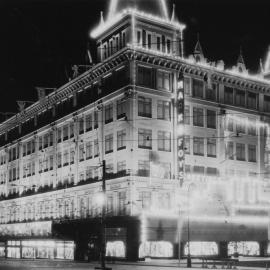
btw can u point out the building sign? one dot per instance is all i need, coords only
(180, 127)
(43, 228)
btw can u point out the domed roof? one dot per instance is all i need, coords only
(154, 7)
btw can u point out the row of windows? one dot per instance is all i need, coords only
(241, 125)
(153, 78)
(201, 117)
(232, 96)
(145, 108)
(241, 152)
(149, 40)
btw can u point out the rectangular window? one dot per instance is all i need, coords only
(71, 130)
(139, 38)
(211, 119)
(164, 141)
(72, 156)
(33, 147)
(252, 101)
(198, 170)
(121, 139)
(230, 151)
(145, 107)
(144, 168)
(229, 124)
(65, 132)
(81, 125)
(66, 158)
(96, 148)
(187, 86)
(187, 144)
(240, 98)
(51, 162)
(108, 113)
(158, 43)
(198, 146)
(145, 139)
(145, 199)
(228, 95)
(109, 144)
(89, 150)
(29, 148)
(81, 152)
(109, 168)
(211, 93)
(145, 76)
(241, 125)
(59, 135)
(121, 166)
(24, 148)
(212, 171)
(164, 110)
(198, 117)
(121, 111)
(59, 160)
(149, 41)
(240, 152)
(88, 173)
(168, 46)
(95, 120)
(266, 104)
(252, 127)
(197, 88)
(163, 80)
(211, 147)
(252, 156)
(187, 115)
(88, 123)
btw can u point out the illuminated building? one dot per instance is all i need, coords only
(183, 139)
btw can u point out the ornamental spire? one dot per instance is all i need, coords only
(173, 18)
(267, 65)
(154, 7)
(198, 52)
(240, 59)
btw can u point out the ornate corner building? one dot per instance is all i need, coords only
(186, 144)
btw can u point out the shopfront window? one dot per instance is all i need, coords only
(158, 249)
(244, 248)
(116, 249)
(202, 248)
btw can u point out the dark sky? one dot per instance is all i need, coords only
(42, 39)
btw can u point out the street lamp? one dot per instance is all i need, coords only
(101, 199)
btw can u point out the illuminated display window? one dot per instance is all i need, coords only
(244, 248)
(159, 249)
(202, 249)
(116, 249)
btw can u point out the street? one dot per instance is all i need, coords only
(252, 263)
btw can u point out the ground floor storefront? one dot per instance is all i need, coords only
(135, 238)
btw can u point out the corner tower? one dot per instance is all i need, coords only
(139, 23)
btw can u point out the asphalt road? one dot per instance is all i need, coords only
(155, 264)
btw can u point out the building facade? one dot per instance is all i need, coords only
(186, 145)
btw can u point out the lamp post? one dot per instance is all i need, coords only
(103, 221)
(189, 265)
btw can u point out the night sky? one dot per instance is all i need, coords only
(42, 39)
